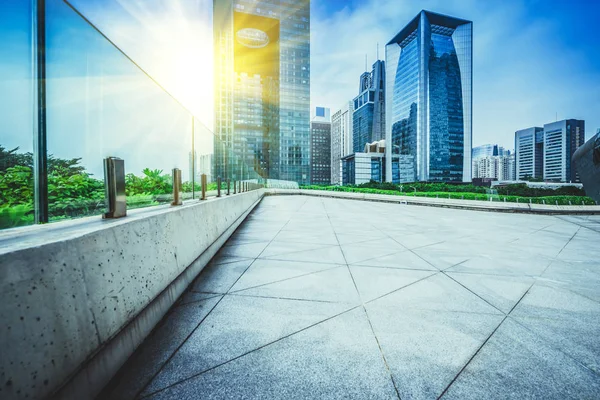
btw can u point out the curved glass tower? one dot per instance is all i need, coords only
(429, 97)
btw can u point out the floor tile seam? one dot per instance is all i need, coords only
(434, 273)
(379, 256)
(200, 300)
(343, 255)
(416, 254)
(287, 260)
(541, 283)
(578, 224)
(530, 233)
(469, 290)
(286, 279)
(487, 274)
(361, 242)
(555, 258)
(257, 257)
(139, 392)
(197, 326)
(320, 247)
(483, 344)
(248, 352)
(392, 268)
(385, 362)
(286, 298)
(552, 345)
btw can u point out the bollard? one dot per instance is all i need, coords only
(219, 186)
(114, 186)
(228, 186)
(203, 183)
(176, 187)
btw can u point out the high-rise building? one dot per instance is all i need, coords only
(429, 96)
(491, 161)
(320, 143)
(529, 153)
(561, 140)
(341, 140)
(369, 108)
(262, 75)
(586, 161)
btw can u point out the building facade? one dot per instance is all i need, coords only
(561, 140)
(586, 161)
(370, 165)
(529, 153)
(341, 140)
(429, 102)
(369, 108)
(320, 143)
(262, 90)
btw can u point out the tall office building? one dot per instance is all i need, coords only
(429, 96)
(320, 143)
(587, 162)
(369, 108)
(561, 140)
(341, 140)
(262, 85)
(529, 153)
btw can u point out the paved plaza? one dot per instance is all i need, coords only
(317, 298)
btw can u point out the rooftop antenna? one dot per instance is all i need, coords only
(365, 62)
(377, 51)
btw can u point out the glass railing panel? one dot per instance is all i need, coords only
(101, 104)
(16, 114)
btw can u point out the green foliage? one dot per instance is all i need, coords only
(16, 186)
(19, 215)
(153, 182)
(550, 200)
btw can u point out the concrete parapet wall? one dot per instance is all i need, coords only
(79, 297)
(449, 203)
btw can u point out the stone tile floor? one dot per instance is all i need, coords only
(329, 298)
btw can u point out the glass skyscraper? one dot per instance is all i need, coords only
(369, 108)
(262, 75)
(429, 96)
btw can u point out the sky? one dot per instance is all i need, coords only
(533, 61)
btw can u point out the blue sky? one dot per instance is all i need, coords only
(533, 60)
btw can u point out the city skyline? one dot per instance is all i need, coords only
(505, 99)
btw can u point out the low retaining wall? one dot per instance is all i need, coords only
(78, 298)
(477, 205)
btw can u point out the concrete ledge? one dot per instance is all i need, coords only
(448, 203)
(77, 300)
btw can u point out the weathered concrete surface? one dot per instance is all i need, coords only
(448, 203)
(327, 298)
(79, 297)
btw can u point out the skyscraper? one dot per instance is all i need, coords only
(262, 75)
(529, 153)
(341, 140)
(429, 96)
(320, 143)
(369, 108)
(561, 139)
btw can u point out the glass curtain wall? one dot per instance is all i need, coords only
(98, 103)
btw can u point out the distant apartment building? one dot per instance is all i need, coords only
(320, 143)
(546, 153)
(429, 96)
(491, 161)
(529, 153)
(370, 165)
(369, 108)
(341, 140)
(561, 140)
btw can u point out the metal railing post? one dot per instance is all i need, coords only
(219, 186)
(114, 186)
(234, 186)
(203, 180)
(177, 201)
(228, 186)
